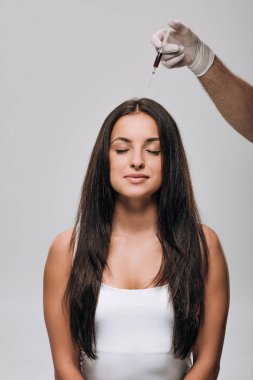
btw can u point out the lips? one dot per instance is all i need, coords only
(136, 178)
(136, 175)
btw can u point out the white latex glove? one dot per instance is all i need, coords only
(183, 48)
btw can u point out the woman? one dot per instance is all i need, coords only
(148, 286)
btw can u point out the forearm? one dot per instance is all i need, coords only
(232, 96)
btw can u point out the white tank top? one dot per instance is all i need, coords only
(134, 336)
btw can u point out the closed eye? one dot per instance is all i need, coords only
(156, 152)
(120, 151)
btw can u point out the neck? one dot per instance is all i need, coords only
(134, 215)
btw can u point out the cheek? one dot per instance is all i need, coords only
(117, 166)
(158, 171)
(116, 163)
(157, 167)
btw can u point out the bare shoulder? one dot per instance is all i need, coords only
(218, 269)
(211, 237)
(61, 245)
(60, 253)
(213, 243)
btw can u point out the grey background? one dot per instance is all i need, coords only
(64, 66)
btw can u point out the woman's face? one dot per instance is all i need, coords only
(135, 157)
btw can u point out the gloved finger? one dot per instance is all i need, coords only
(168, 57)
(173, 61)
(181, 32)
(172, 48)
(177, 25)
(157, 38)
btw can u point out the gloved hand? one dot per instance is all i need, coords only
(181, 47)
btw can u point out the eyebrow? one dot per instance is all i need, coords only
(149, 140)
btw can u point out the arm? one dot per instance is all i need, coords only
(57, 270)
(232, 96)
(208, 347)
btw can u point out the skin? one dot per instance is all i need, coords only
(208, 347)
(232, 96)
(134, 254)
(57, 270)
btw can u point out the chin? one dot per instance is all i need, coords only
(136, 194)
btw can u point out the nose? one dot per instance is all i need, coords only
(137, 166)
(137, 162)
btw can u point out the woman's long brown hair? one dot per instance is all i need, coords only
(184, 263)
